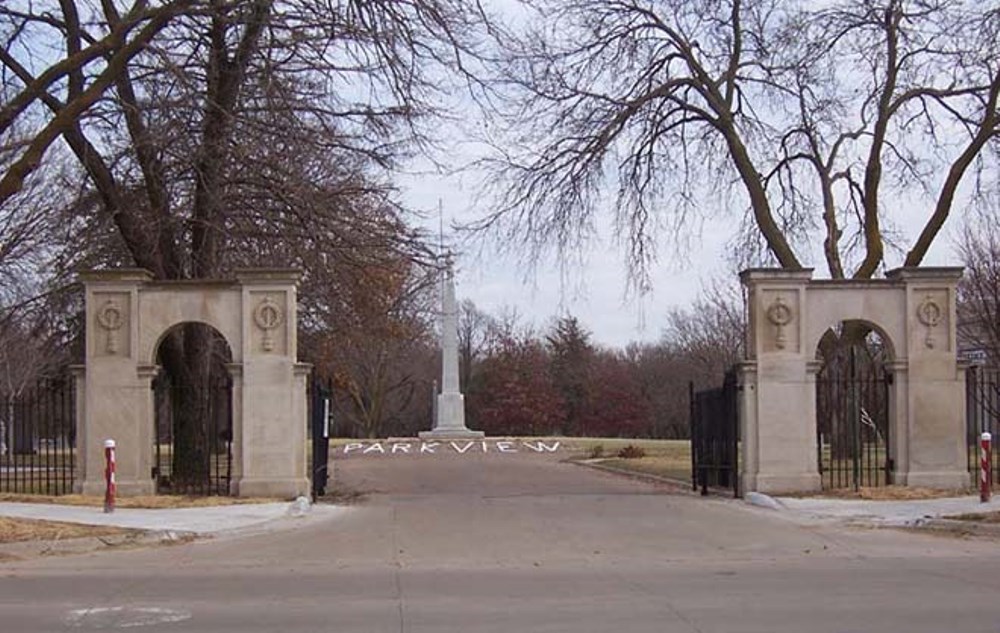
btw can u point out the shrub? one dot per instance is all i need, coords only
(631, 452)
(596, 451)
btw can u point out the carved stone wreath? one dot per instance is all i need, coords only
(929, 314)
(780, 315)
(268, 317)
(110, 317)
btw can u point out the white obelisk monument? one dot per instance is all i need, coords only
(449, 422)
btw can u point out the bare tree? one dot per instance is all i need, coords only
(830, 116)
(979, 289)
(474, 332)
(375, 345)
(711, 334)
(213, 131)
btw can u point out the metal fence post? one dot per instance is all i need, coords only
(693, 432)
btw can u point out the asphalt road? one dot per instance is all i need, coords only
(520, 543)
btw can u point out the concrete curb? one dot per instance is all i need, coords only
(767, 502)
(26, 550)
(684, 486)
(954, 526)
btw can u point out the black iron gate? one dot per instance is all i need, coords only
(714, 422)
(200, 463)
(852, 420)
(38, 438)
(982, 415)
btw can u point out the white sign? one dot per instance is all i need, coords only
(462, 447)
(974, 356)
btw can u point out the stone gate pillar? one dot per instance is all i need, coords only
(777, 407)
(273, 453)
(117, 391)
(932, 450)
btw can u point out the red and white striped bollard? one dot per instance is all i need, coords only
(985, 467)
(109, 476)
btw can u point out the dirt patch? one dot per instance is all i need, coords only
(344, 496)
(18, 530)
(154, 502)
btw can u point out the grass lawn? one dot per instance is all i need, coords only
(664, 458)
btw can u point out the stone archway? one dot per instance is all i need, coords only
(128, 314)
(789, 313)
(193, 427)
(853, 411)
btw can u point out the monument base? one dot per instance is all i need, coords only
(450, 422)
(451, 434)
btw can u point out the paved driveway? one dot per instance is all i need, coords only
(521, 542)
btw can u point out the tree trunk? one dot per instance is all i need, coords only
(188, 359)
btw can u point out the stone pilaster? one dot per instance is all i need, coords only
(117, 394)
(935, 433)
(780, 438)
(273, 399)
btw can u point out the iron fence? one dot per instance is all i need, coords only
(982, 414)
(38, 438)
(714, 422)
(193, 438)
(852, 421)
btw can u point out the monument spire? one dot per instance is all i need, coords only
(449, 422)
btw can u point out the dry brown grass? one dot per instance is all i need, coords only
(981, 517)
(148, 502)
(889, 493)
(663, 458)
(584, 446)
(660, 466)
(17, 530)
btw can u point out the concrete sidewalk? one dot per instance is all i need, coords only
(918, 513)
(199, 521)
(909, 513)
(264, 516)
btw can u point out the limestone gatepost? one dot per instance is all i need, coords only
(127, 316)
(913, 310)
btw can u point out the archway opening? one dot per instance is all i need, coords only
(853, 407)
(192, 439)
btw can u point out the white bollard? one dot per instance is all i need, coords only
(109, 476)
(985, 467)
